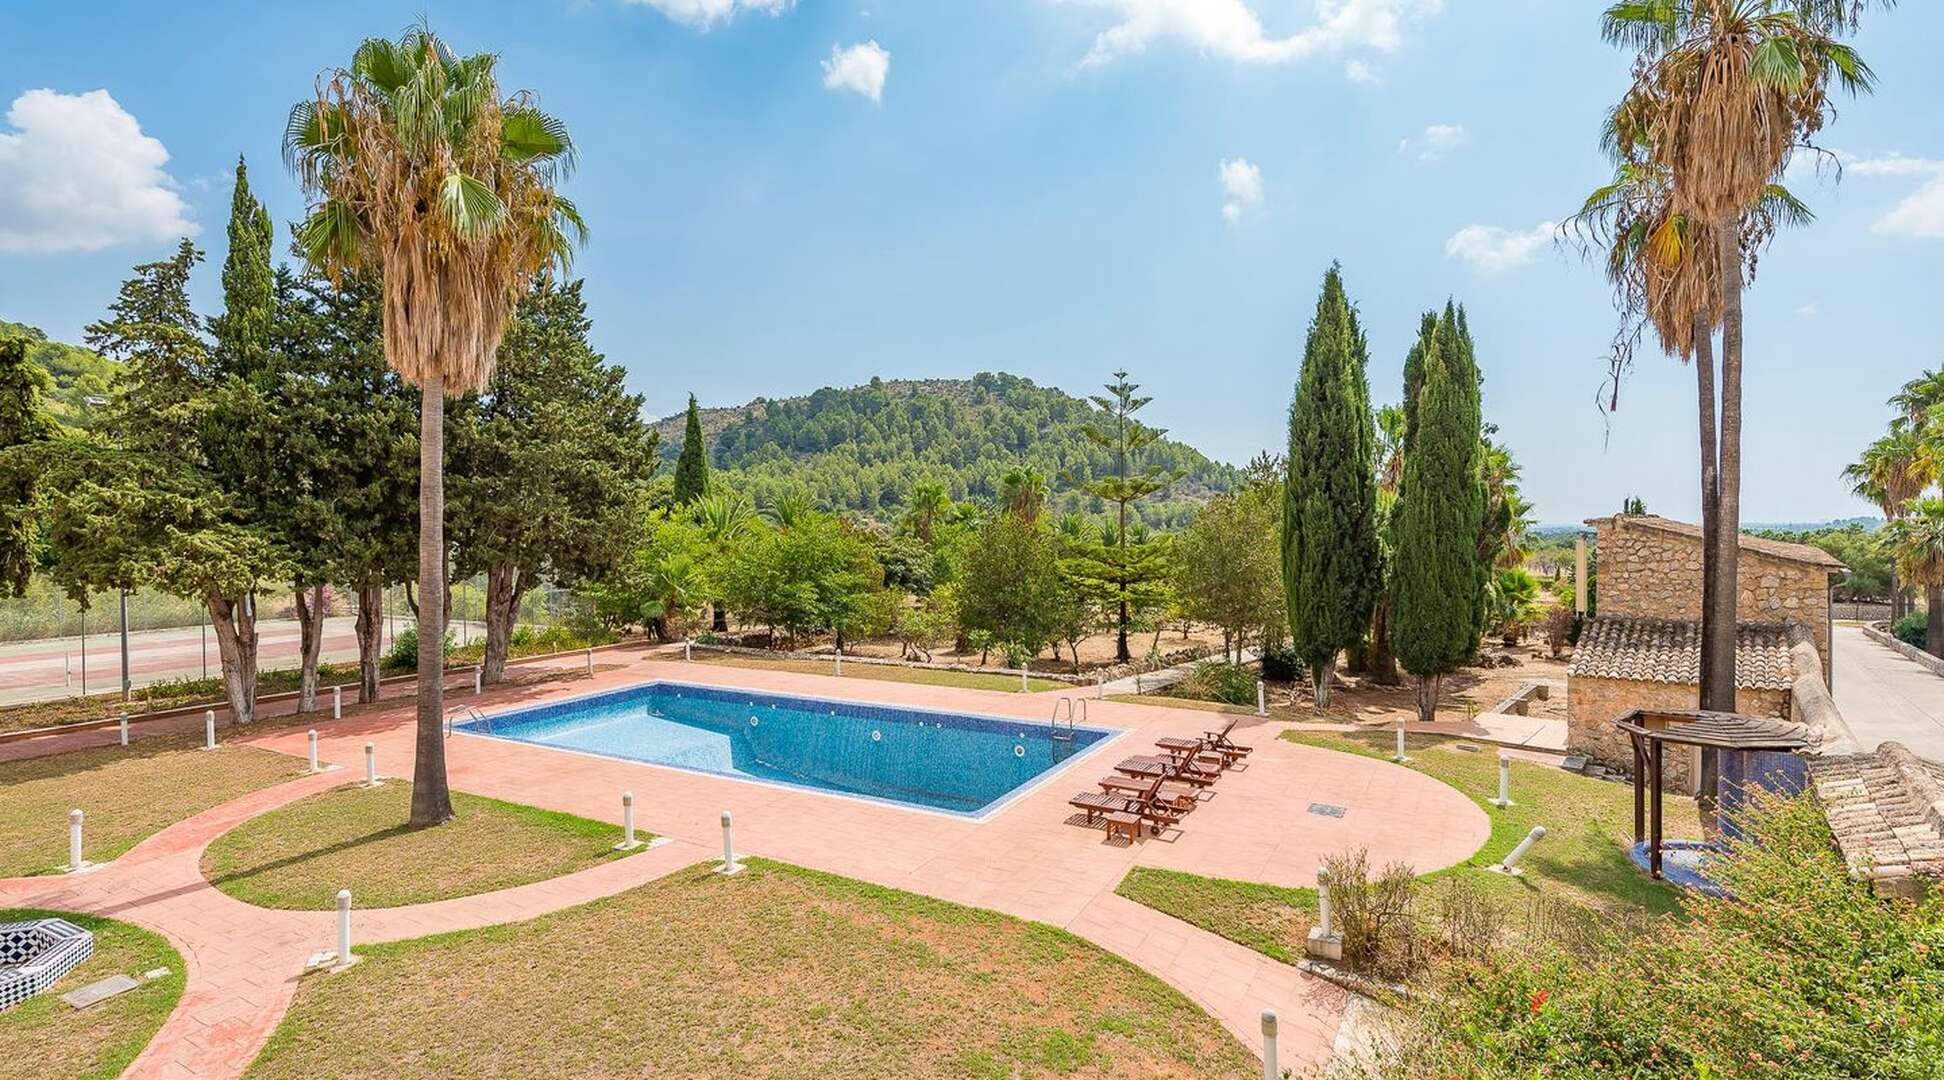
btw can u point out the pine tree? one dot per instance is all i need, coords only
(692, 468)
(242, 331)
(23, 423)
(1125, 570)
(1330, 557)
(1441, 502)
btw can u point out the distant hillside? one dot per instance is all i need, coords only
(79, 373)
(863, 448)
(1866, 522)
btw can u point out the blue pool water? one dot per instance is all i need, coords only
(943, 761)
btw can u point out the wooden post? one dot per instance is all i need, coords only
(1640, 791)
(1654, 843)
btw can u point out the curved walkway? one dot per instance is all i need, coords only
(1027, 860)
(243, 962)
(1887, 696)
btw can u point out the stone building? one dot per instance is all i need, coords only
(1644, 648)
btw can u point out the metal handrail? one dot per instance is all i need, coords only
(470, 712)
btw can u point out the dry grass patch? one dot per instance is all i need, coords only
(128, 794)
(776, 972)
(963, 680)
(45, 1037)
(352, 837)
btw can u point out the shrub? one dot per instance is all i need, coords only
(404, 651)
(1912, 629)
(1804, 973)
(1560, 626)
(1216, 680)
(1375, 915)
(1281, 664)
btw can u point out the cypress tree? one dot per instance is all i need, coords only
(1330, 555)
(1435, 523)
(692, 468)
(242, 331)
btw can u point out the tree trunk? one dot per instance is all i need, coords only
(1718, 632)
(1716, 694)
(310, 642)
(1934, 621)
(371, 640)
(431, 797)
(1383, 662)
(1427, 697)
(504, 586)
(1320, 675)
(234, 624)
(721, 622)
(1121, 652)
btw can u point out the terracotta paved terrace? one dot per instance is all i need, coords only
(1025, 860)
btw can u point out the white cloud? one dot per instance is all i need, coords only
(1492, 249)
(1242, 186)
(1920, 214)
(1891, 165)
(1359, 72)
(1232, 30)
(1808, 310)
(861, 68)
(77, 174)
(1436, 141)
(703, 14)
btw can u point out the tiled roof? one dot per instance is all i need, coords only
(1887, 811)
(1669, 650)
(1780, 549)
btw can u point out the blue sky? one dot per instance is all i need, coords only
(1050, 187)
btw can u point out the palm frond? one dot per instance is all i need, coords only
(470, 205)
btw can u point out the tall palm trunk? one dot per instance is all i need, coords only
(1716, 693)
(1934, 620)
(1722, 594)
(431, 798)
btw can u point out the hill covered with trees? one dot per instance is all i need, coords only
(78, 373)
(864, 448)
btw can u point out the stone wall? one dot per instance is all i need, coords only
(1656, 573)
(1594, 703)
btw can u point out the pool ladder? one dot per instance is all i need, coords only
(465, 713)
(1063, 733)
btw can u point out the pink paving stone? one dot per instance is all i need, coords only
(1026, 860)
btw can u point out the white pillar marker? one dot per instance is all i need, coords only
(1269, 1068)
(1262, 709)
(76, 863)
(479, 679)
(1399, 756)
(1324, 941)
(628, 841)
(344, 928)
(209, 729)
(688, 650)
(1511, 863)
(1505, 782)
(729, 863)
(124, 729)
(371, 765)
(1022, 681)
(337, 702)
(840, 663)
(312, 739)
(590, 660)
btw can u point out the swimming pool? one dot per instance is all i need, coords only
(954, 762)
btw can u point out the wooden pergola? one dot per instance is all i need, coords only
(1652, 729)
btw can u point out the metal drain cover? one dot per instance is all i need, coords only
(1325, 810)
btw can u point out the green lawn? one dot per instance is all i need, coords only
(964, 680)
(1581, 865)
(46, 1038)
(775, 972)
(126, 793)
(352, 837)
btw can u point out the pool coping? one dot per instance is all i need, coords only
(1109, 735)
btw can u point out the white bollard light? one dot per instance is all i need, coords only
(1023, 687)
(371, 765)
(590, 660)
(313, 749)
(1269, 1069)
(1505, 782)
(337, 702)
(1323, 918)
(1511, 863)
(124, 729)
(1399, 756)
(209, 729)
(1262, 709)
(479, 680)
(628, 841)
(840, 662)
(729, 863)
(344, 927)
(688, 650)
(1323, 941)
(75, 865)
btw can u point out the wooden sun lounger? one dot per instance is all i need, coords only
(1144, 806)
(1179, 795)
(1212, 746)
(1147, 766)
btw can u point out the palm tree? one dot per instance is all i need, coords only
(1891, 472)
(927, 504)
(1724, 91)
(1022, 493)
(422, 177)
(725, 517)
(1916, 540)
